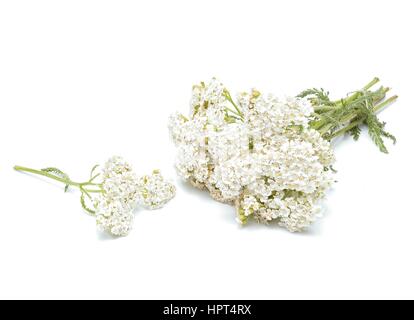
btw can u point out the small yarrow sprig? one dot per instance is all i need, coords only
(114, 192)
(270, 157)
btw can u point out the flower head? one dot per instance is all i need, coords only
(115, 205)
(120, 183)
(155, 191)
(122, 191)
(113, 217)
(261, 155)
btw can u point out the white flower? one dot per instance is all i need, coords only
(113, 217)
(115, 206)
(302, 213)
(232, 175)
(122, 191)
(262, 156)
(154, 191)
(206, 97)
(120, 183)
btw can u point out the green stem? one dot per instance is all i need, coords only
(352, 97)
(351, 116)
(230, 99)
(233, 112)
(338, 103)
(376, 109)
(372, 83)
(382, 105)
(325, 108)
(324, 127)
(60, 179)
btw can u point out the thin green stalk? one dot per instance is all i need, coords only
(233, 112)
(382, 105)
(354, 96)
(230, 99)
(372, 83)
(60, 179)
(381, 92)
(236, 107)
(324, 108)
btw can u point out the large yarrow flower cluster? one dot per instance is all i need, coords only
(257, 153)
(268, 156)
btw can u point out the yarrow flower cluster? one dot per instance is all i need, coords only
(263, 154)
(113, 200)
(154, 191)
(115, 206)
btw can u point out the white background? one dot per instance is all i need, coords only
(83, 80)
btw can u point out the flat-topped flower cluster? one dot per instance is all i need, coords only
(258, 153)
(123, 191)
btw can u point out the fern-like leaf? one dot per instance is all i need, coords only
(58, 173)
(355, 132)
(375, 131)
(388, 135)
(85, 206)
(93, 170)
(93, 176)
(316, 96)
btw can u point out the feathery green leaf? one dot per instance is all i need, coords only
(85, 206)
(355, 132)
(58, 173)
